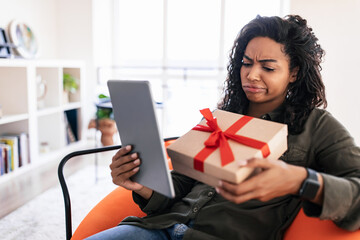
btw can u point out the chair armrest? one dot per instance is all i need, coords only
(65, 191)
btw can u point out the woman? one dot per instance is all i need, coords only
(274, 74)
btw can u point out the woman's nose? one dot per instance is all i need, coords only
(253, 74)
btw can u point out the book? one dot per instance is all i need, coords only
(24, 148)
(6, 154)
(19, 151)
(72, 119)
(70, 137)
(13, 142)
(2, 163)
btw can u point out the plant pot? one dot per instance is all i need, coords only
(73, 97)
(107, 127)
(65, 97)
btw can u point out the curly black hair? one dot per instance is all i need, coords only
(305, 54)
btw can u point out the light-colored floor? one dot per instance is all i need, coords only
(26, 184)
(20, 189)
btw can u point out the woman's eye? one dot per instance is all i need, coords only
(245, 64)
(268, 69)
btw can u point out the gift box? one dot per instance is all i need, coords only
(212, 150)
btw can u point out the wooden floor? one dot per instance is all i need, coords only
(16, 191)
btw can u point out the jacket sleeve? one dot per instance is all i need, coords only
(338, 159)
(159, 203)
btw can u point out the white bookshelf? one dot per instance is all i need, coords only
(18, 98)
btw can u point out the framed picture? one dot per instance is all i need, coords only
(4, 45)
(23, 39)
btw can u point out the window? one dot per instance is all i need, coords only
(193, 32)
(139, 32)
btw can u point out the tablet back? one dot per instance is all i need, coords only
(135, 117)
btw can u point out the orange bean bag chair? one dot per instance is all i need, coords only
(119, 204)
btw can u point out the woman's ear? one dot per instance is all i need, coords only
(293, 74)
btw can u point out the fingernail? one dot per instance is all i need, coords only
(220, 183)
(128, 147)
(134, 155)
(137, 161)
(136, 169)
(242, 163)
(217, 190)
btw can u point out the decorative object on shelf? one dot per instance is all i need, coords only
(4, 45)
(44, 147)
(70, 86)
(104, 120)
(41, 90)
(23, 38)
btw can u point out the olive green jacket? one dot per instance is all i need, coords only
(324, 145)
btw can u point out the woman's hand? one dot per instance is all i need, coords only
(276, 179)
(124, 166)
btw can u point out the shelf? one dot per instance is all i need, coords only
(32, 101)
(13, 118)
(46, 63)
(22, 170)
(48, 111)
(60, 153)
(71, 106)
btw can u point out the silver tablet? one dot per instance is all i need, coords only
(135, 117)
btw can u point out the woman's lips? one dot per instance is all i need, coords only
(253, 89)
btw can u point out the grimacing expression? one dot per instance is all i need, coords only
(265, 73)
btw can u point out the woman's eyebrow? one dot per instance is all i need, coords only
(268, 60)
(248, 58)
(262, 60)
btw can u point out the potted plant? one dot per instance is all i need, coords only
(104, 120)
(70, 86)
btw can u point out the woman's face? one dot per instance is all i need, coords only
(265, 74)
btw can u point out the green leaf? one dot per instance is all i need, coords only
(70, 83)
(101, 96)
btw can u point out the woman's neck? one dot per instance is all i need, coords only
(259, 109)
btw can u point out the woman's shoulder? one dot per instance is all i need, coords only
(320, 112)
(322, 120)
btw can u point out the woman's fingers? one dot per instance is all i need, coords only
(122, 157)
(124, 168)
(265, 185)
(127, 160)
(120, 178)
(121, 152)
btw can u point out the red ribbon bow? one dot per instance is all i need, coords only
(218, 138)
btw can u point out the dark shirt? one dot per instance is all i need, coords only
(324, 145)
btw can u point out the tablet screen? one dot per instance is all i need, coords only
(135, 117)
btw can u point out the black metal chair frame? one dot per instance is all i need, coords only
(64, 188)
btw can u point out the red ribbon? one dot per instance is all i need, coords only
(218, 138)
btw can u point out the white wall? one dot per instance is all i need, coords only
(40, 15)
(75, 41)
(103, 32)
(336, 24)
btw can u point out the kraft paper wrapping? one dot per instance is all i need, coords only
(185, 148)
